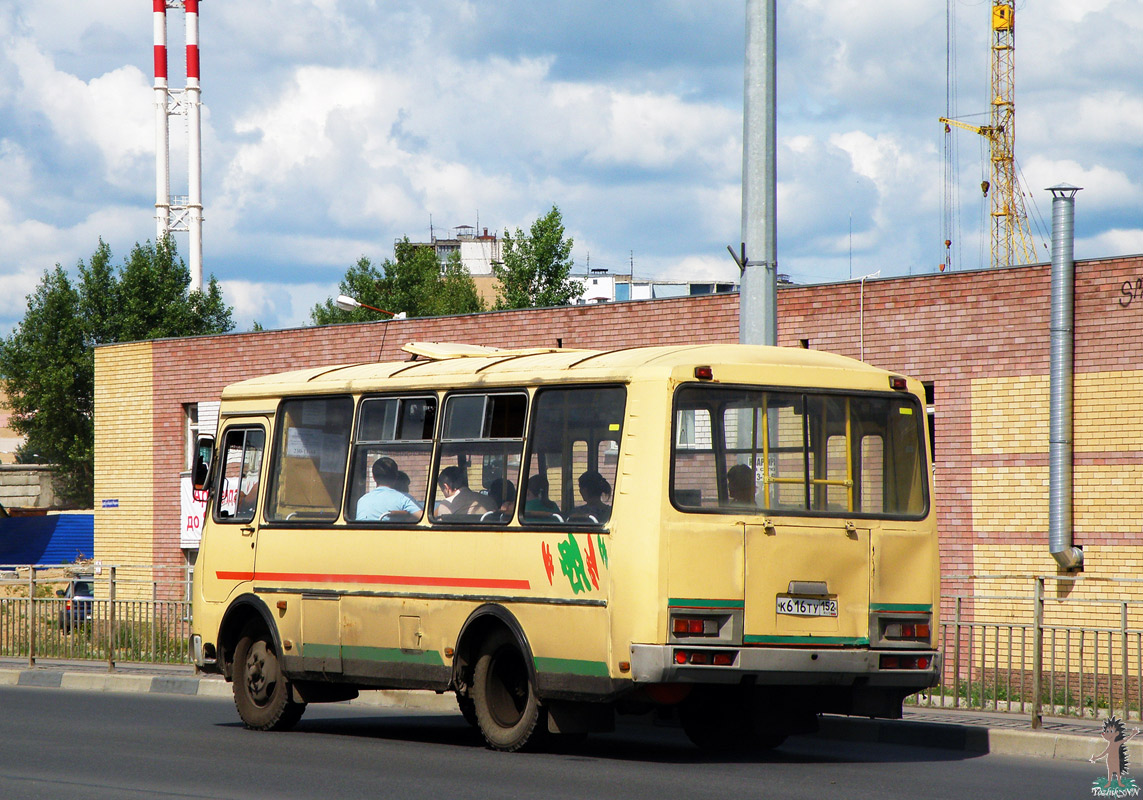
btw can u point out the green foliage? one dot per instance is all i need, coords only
(536, 267)
(415, 283)
(47, 364)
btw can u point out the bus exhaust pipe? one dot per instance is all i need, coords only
(1060, 511)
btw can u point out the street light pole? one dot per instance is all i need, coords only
(347, 303)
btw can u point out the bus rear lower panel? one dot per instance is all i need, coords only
(861, 682)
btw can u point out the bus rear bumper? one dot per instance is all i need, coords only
(786, 666)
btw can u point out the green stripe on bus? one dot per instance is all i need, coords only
(312, 650)
(571, 666)
(812, 640)
(428, 657)
(687, 602)
(914, 607)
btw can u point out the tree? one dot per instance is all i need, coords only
(47, 364)
(536, 267)
(415, 283)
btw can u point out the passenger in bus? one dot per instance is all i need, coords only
(403, 484)
(593, 487)
(740, 486)
(387, 502)
(538, 500)
(458, 498)
(503, 493)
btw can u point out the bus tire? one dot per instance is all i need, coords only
(262, 693)
(467, 709)
(508, 712)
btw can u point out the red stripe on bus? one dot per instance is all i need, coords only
(398, 580)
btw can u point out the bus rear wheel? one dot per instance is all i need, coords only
(262, 693)
(507, 710)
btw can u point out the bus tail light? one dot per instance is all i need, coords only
(706, 658)
(905, 662)
(694, 626)
(913, 631)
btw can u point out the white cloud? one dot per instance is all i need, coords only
(1116, 242)
(333, 127)
(274, 305)
(110, 112)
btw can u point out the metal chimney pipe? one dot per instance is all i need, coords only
(758, 293)
(1060, 529)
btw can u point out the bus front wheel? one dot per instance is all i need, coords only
(261, 692)
(507, 710)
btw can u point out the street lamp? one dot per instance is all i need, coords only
(347, 303)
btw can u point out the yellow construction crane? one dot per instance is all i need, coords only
(1011, 240)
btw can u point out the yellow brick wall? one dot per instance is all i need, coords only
(124, 463)
(1010, 417)
(1109, 412)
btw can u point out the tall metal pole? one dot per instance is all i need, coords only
(1061, 541)
(194, 147)
(758, 298)
(162, 125)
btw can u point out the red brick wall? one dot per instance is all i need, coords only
(944, 328)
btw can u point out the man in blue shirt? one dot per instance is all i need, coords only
(386, 502)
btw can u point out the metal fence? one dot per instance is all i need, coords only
(1036, 645)
(125, 622)
(1030, 645)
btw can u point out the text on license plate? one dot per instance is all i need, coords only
(808, 606)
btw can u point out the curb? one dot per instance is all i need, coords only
(968, 738)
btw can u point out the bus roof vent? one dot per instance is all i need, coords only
(442, 351)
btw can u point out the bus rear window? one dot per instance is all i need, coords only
(741, 450)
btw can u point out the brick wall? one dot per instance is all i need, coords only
(125, 452)
(982, 339)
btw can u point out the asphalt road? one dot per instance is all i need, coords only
(62, 744)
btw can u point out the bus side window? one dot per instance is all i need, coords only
(241, 472)
(573, 455)
(482, 439)
(310, 451)
(392, 459)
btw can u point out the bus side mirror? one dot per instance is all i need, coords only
(200, 473)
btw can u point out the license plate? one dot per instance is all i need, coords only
(808, 606)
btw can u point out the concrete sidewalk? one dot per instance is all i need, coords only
(1069, 738)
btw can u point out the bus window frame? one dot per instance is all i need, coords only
(440, 444)
(279, 412)
(355, 441)
(918, 408)
(571, 479)
(218, 478)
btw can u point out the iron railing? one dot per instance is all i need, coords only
(1064, 646)
(130, 619)
(1008, 643)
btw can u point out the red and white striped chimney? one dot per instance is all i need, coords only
(162, 124)
(184, 215)
(194, 147)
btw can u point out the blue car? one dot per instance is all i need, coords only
(77, 606)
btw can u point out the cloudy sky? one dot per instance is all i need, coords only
(333, 127)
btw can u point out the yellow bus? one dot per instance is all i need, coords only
(741, 534)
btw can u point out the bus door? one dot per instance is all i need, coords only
(807, 585)
(228, 552)
(807, 565)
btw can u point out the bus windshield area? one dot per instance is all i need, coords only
(737, 450)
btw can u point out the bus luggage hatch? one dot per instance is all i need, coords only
(807, 585)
